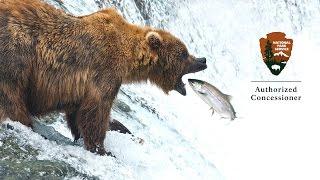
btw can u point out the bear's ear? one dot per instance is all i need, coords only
(154, 40)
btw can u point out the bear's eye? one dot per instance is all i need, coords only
(184, 55)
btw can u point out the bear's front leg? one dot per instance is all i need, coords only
(93, 122)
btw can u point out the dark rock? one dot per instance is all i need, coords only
(19, 161)
(50, 118)
(145, 9)
(122, 106)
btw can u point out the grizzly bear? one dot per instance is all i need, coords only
(53, 61)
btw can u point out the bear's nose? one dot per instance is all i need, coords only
(202, 60)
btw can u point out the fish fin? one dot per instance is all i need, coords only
(212, 111)
(231, 119)
(229, 97)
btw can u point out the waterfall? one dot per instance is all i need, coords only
(183, 140)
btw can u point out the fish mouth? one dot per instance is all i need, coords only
(180, 87)
(194, 82)
(196, 85)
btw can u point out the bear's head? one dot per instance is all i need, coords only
(154, 54)
(172, 61)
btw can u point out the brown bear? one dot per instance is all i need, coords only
(52, 61)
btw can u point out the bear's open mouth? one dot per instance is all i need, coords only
(198, 65)
(180, 87)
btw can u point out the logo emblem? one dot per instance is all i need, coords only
(276, 51)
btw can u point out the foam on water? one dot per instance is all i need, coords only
(182, 139)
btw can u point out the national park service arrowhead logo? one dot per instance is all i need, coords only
(276, 51)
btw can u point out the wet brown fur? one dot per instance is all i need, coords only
(52, 61)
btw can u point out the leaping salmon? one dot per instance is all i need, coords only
(218, 101)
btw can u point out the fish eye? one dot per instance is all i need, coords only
(201, 92)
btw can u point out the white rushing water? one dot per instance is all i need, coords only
(182, 139)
